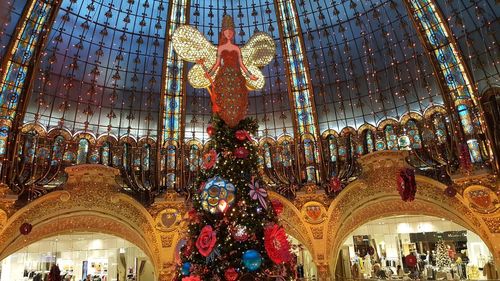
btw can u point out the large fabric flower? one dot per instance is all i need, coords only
(209, 159)
(241, 152)
(276, 244)
(407, 185)
(206, 241)
(257, 192)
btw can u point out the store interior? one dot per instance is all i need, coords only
(78, 256)
(418, 247)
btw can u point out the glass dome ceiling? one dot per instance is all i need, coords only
(101, 69)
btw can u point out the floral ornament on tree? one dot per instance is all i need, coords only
(277, 206)
(257, 192)
(407, 186)
(276, 244)
(209, 159)
(231, 274)
(242, 135)
(206, 241)
(241, 152)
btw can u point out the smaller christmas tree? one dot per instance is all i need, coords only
(443, 261)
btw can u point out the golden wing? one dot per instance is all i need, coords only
(257, 52)
(190, 45)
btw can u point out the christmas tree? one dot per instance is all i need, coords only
(443, 261)
(233, 230)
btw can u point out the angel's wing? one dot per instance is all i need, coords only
(259, 50)
(190, 45)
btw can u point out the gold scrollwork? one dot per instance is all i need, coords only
(168, 219)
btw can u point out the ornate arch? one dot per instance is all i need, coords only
(293, 222)
(91, 201)
(374, 195)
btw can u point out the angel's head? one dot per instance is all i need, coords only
(227, 32)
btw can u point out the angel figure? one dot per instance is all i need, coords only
(233, 71)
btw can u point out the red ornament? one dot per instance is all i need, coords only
(450, 191)
(240, 233)
(241, 152)
(206, 241)
(25, 228)
(231, 274)
(277, 206)
(335, 184)
(407, 186)
(276, 244)
(242, 135)
(371, 251)
(211, 130)
(411, 260)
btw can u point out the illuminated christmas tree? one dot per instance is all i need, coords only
(233, 229)
(443, 261)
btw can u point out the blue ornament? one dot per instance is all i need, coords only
(218, 194)
(186, 268)
(252, 260)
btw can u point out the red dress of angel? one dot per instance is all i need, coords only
(233, 71)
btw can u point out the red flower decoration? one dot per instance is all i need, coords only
(209, 159)
(206, 241)
(191, 278)
(241, 152)
(407, 186)
(276, 244)
(231, 274)
(211, 130)
(335, 184)
(277, 206)
(242, 135)
(25, 228)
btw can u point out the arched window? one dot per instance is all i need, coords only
(146, 157)
(194, 158)
(127, 155)
(267, 155)
(57, 150)
(368, 143)
(106, 154)
(332, 148)
(285, 154)
(413, 134)
(390, 137)
(439, 125)
(171, 151)
(309, 158)
(29, 148)
(83, 150)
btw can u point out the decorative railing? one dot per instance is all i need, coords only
(287, 167)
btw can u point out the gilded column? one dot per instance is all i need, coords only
(300, 89)
(17, 67)
(456, 82)
(172, 107)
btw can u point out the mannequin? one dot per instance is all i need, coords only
(367, 265)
